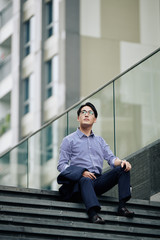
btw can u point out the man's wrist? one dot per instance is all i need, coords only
(124, 160)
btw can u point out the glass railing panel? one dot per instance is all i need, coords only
(137, 107)
(14, 166)
(72, 119)
(104, 126)
(43, 154)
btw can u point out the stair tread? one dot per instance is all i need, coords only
(42, 193)
(40, 202)
(68, 205)
(73, 215)
(60, 232)
(46, 223)
(41, 214)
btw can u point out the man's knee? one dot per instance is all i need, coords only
(121, 170)
(85, 180)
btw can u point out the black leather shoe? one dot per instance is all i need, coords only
(97, 219)
(125, 212)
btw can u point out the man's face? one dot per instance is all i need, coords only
(86, 117)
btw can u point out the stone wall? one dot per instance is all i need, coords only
(145, 173)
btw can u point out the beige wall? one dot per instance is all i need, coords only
(99, 63)
(117, 20)
(120, 20)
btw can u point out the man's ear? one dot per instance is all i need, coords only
(95, 120)
(78, 118)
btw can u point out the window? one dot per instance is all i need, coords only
(51, 76)
(49, 8)
(26, 95)
(51, 17)
(27, 47)
(49, 79)
(29, 36)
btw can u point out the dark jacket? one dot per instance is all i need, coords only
(69, 179)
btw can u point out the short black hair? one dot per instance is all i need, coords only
(89, 105)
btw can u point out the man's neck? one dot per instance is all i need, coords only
(86, 131)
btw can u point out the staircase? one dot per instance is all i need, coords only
(39, 214)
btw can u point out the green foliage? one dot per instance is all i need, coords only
(5, 124)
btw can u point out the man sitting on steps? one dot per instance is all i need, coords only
(81, 161)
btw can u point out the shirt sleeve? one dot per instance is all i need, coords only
(108, 154)
(65, 155)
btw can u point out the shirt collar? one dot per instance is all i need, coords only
(81, 134)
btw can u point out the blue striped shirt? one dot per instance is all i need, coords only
(85, 151)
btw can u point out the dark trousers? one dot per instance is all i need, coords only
(91, 188)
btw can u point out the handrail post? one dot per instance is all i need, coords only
(67, 123)
(27, 166)
(114, 118)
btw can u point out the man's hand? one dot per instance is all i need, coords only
(89, 175)
(127, 164)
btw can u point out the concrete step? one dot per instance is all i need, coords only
(40, 214)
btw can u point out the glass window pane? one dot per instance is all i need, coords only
(27, 37)
(49, 18)
(49, 79)
(49, 11)
(26, 109)
(49, 92)
(49, 69)
(50, 31)
(26, 89)
(27, 50)
(26, 92)
(27, 31)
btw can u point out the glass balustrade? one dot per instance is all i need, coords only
(128, 119)
(14, 166)
(137, 106)
(43, 152)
